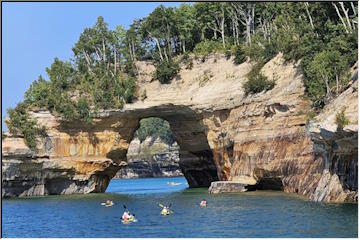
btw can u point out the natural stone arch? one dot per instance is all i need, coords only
(196, 157)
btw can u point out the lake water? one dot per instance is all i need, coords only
(251, 214)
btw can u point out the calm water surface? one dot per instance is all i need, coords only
(251, 214)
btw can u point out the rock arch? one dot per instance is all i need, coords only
(196, 157)
(223, 135)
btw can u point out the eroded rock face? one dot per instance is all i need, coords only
(223, 135)
(74, 160)
(338, 149)
(151, 158)
(228, 187)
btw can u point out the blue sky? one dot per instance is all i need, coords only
(35, 33)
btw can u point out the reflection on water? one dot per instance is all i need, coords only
(251, 214)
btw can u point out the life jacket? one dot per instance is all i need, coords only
(164, 211)
(125, 216)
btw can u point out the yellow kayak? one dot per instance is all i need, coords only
(130, 220)
(165, 213)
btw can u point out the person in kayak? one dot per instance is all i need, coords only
(203, 203)
(108, 203)
(165, 210)
(126, 216)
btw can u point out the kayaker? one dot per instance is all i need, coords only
(126, 215)
(109, 203)
(203, 203)
(165, 209)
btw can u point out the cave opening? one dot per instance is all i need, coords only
(153, 160)
(153, 151)
(177, 135)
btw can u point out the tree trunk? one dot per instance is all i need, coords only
(133, 49)
(248, 32)
(87, 58)
(168, 39)
(159, 48)
(223, 29)
(308, 13)
(337, 85)
(183, 46)
(353, 8)
(233, 30)
(327, 85)
(346, 15)
(114, 60)
(253, 19)
(166, 56)
(104, 50)
(97, 50)
(215, 34)
(339, 15)
(130, 52)
(237, 33)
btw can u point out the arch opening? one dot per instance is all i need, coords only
(185, 148)
(152, 152)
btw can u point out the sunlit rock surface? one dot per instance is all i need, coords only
(151, 158)
(222, 134)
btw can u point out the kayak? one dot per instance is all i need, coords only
(107, 205)
(166, 213)
(129, 220)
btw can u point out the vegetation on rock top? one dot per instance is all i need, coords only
(103, 71)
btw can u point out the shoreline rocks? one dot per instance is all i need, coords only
(229, 187)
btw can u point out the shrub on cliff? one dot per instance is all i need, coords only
(341, 120)
(206, 47)
(257, 82)
(166, 70)
(240, 56)
(20, 123)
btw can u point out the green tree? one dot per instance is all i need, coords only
(19, 122)
(38, 93)
(61, 74)
(165, 71)
(154, 127)
(341, 119)
(186, 27)
(326, 70)
(159, 27)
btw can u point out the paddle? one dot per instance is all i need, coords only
(128, 210)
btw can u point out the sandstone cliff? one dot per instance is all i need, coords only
(260, 139)
(151, 158)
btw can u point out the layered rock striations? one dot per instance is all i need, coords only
(151, 158)
(261, 140)
(337, 148)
